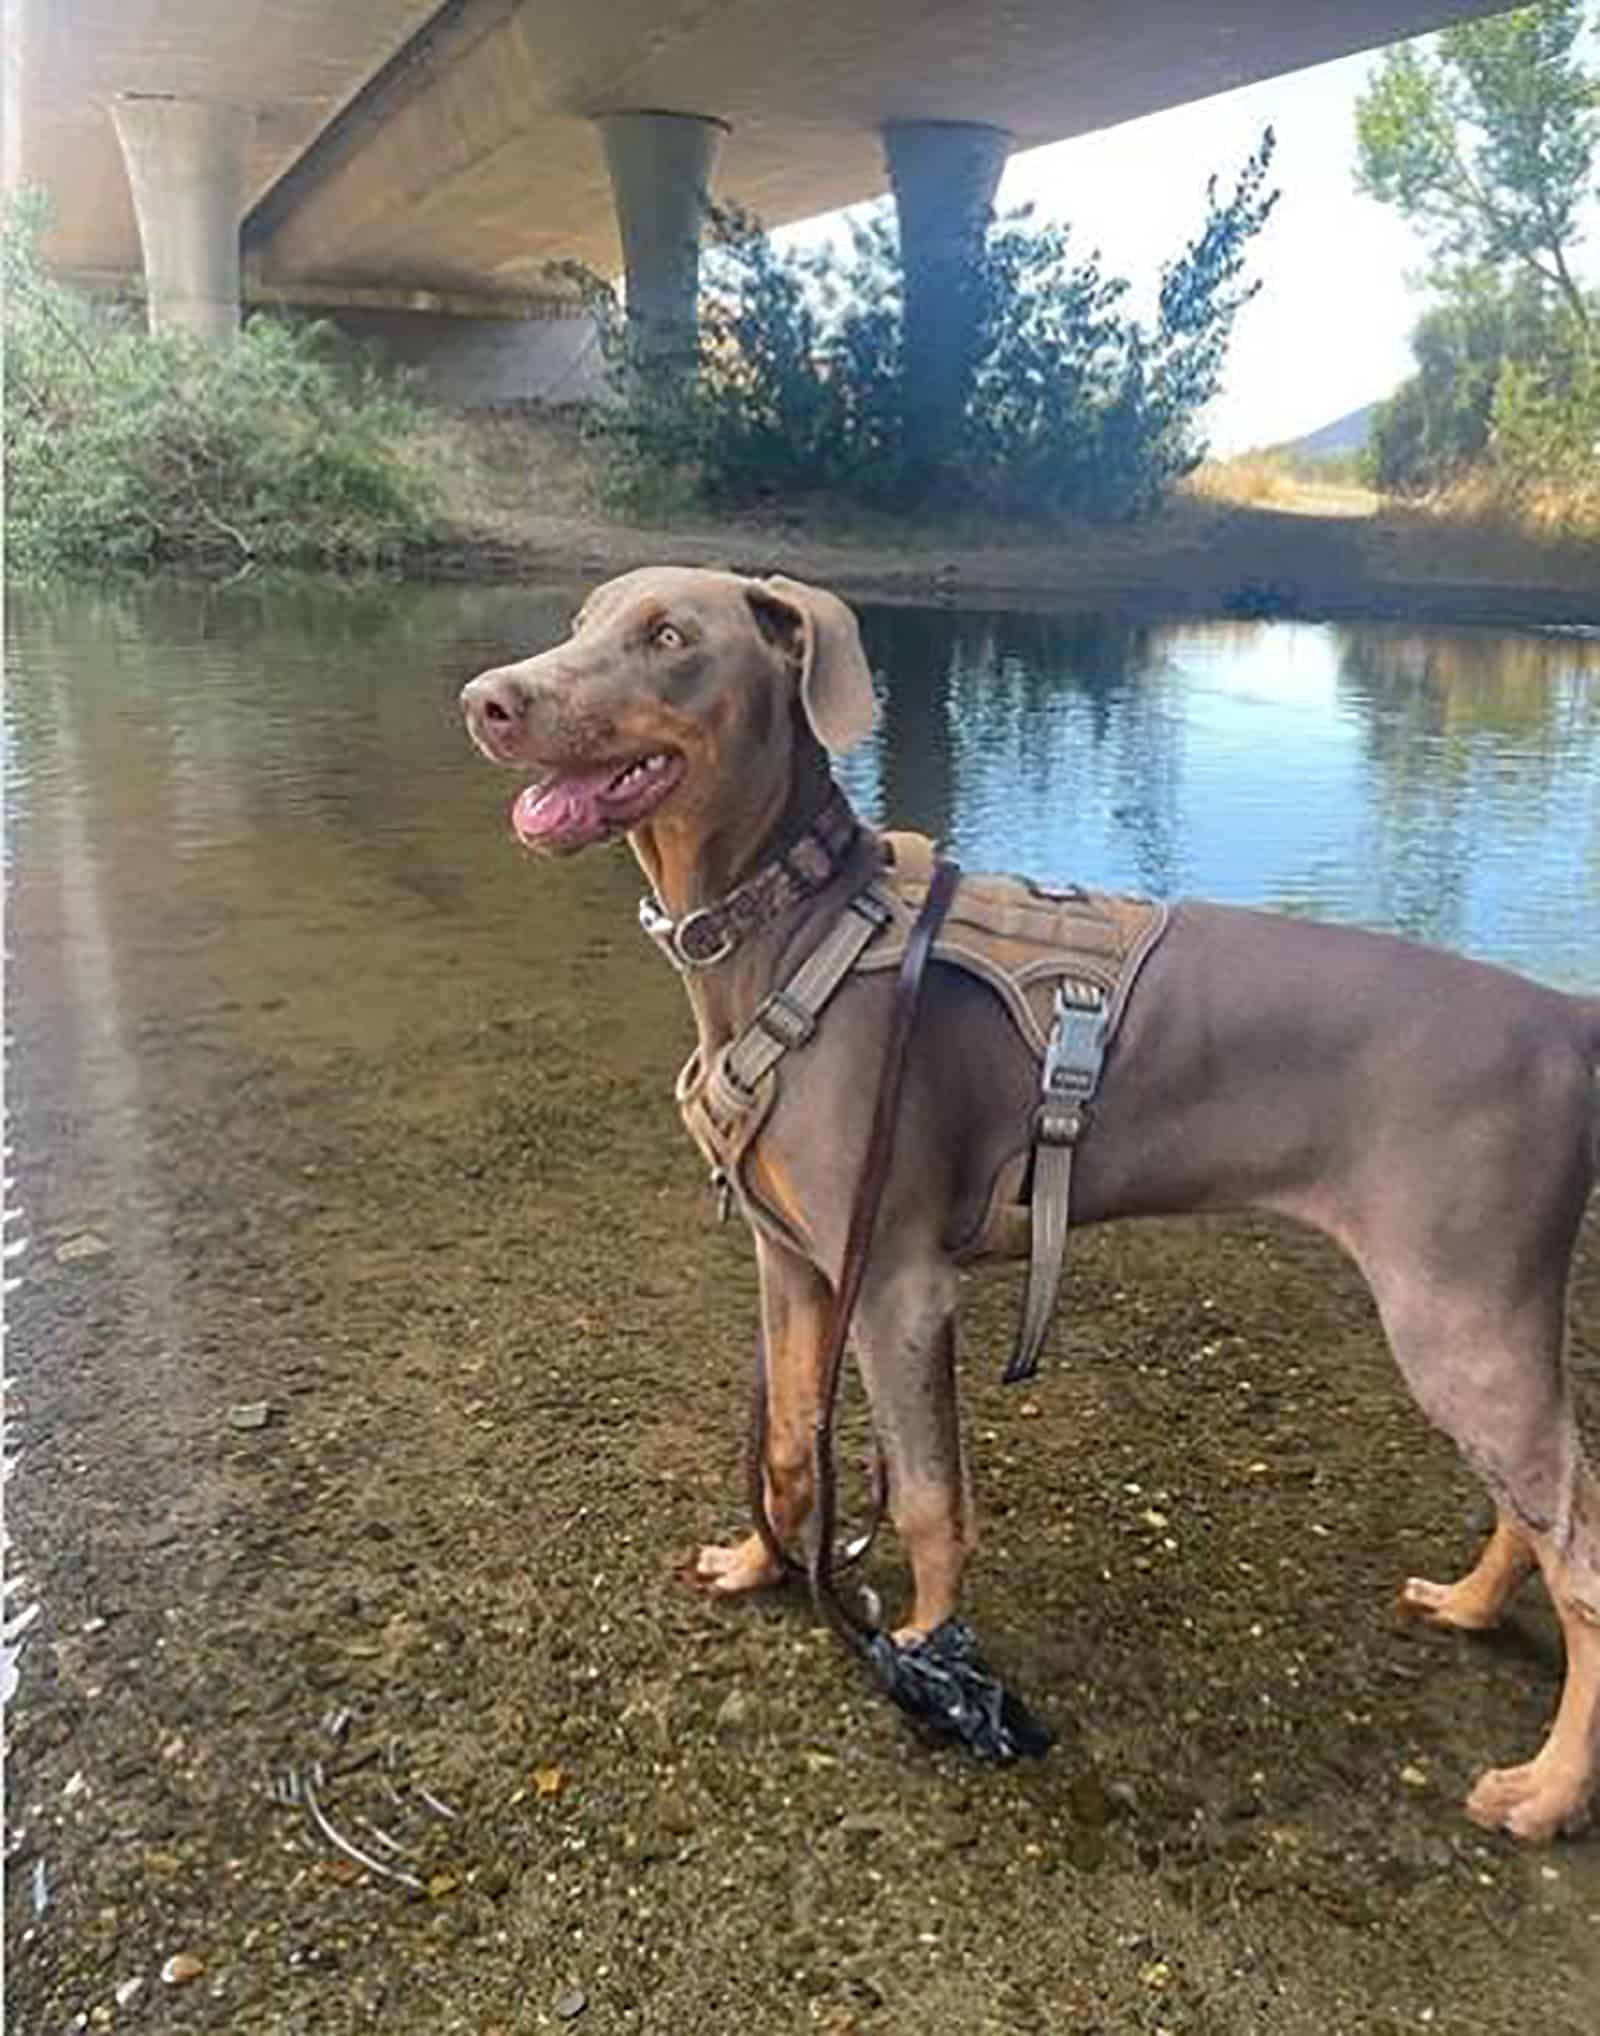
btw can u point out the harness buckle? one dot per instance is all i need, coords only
(1072, 1059)
(1059, 1120)
(867, 904)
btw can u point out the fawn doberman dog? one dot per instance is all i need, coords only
(1436, 1117)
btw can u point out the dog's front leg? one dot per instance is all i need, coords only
(906, 1340)
(795, 1300)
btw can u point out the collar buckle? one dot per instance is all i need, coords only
(703, 938)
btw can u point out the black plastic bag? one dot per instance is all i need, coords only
(944, 1683)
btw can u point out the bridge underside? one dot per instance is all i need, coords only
(405, 157)
(475, 157)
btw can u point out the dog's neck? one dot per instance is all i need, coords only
(692, 868)
(693, 861)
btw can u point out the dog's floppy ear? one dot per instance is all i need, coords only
(820, 633)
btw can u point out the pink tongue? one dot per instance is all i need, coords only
(563, 813)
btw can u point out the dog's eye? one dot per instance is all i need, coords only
(668, 636)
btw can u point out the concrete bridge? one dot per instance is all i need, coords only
(413, 167)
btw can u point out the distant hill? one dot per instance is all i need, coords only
(1338, 440)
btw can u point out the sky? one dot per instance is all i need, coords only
(1328, 331)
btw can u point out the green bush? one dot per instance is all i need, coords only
(1075, 408)
(126, 450)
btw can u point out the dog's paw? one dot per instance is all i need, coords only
(745, 1566)
(1449, 1605)
(1535, 1802)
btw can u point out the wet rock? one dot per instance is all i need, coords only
(1084, 1849)
(736, 1712)
(675, 1815)
(954, 1833)
(1090, 1802)
(867, 1823)
(85, 1245)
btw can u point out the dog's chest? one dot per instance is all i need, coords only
(1023, 940)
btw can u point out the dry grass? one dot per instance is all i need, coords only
(1257, 480)
(519, 494)
(1553, 511)
(1253, 479)
(1530, 534)
(500, 470)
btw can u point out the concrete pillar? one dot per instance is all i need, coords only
(944, 174)
(660, 166)
(185, 161)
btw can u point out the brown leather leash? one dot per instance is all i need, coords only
(942, 1681)
(822, 1560)
(864, 1207)
(858, 1247)
(756, 1491)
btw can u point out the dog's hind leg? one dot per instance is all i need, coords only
(1492, 1376)
(795, 1301)
(1554, 1792)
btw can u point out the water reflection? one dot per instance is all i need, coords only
(1442, 782)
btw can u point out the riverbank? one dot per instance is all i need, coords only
(521, 504)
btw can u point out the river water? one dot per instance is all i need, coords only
(221, 747)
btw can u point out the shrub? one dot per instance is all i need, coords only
(124, 449)
(1075, 408)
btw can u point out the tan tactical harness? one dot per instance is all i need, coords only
(1062, 962)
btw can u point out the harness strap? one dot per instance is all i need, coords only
(789, 1015)
(1072, 1063)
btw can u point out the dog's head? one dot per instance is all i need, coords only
(683, 698)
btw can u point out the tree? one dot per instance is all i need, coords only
(1442, 418)
(1488, 144)
(1486, 139)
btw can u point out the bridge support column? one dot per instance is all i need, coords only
(660, 166)
(944, 174)
(185, 161)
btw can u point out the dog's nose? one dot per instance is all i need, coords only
(496, 702)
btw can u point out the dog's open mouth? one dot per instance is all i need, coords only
(571, 809)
